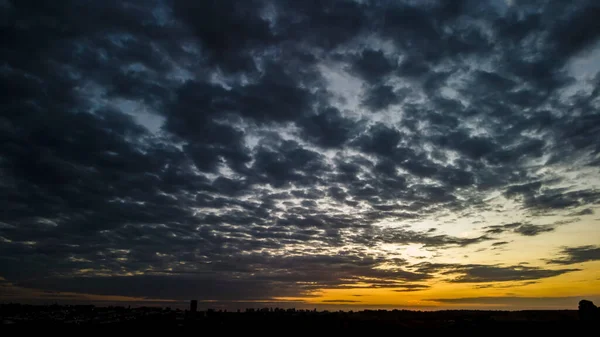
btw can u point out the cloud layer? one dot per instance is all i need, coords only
(259, 149)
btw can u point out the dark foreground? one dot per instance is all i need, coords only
(291, 321)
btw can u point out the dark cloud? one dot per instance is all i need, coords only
(166, 286)
(576, 30)
(585, 211)
(290, 163)
(558, 200)
(499, 229)
(426, 239)
(235, 279)
(372, 66)
(324, 25)
(474, 273)
(525, 229)
(380, 97)
(532, 230)
(525, 189)
(242, 145)
(411, 288)
(328, 128)
(472, 147)
(380, 140)
(504, 286)
(572, 255)
(228, 30)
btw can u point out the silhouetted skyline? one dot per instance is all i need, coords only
(252, 319)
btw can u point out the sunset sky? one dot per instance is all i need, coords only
(343, 154)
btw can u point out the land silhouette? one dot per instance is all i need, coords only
(587, 316)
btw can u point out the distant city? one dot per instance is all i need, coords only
(258, 318)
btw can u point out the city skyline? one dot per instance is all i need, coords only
(335, 154)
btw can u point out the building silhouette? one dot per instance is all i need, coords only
(193, 305)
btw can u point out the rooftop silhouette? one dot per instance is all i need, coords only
(257, 319)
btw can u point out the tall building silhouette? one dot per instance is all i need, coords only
(193, 305)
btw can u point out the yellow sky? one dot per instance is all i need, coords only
(585, 282)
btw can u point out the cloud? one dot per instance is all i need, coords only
(328, 128)
(524, 229)
(380, 97)
(219, 141)
(553, 200)
(340, 301)
(504, 286)
(532, 230)
(372, 65)
(524, 189)
(475, 273)
(412, 287)
(406, 237)
(572, 255)
(585, 211)
(236, 279)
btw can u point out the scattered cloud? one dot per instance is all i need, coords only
(475, 273)
(412, 287)
(254, 149)
(504, 286)
(585, 211)
(572, 255)
(525, 229)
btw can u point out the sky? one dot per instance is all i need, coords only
(330, 154)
